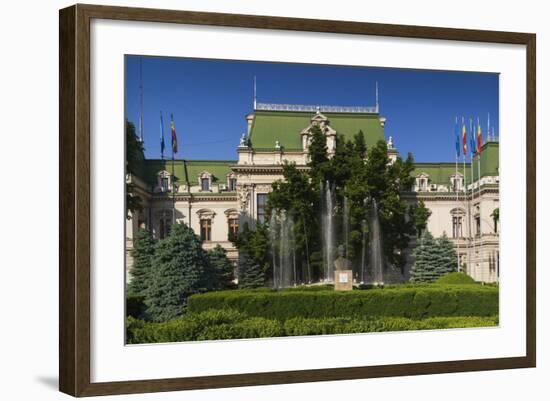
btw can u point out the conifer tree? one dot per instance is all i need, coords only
(251, 274)
(142, 253)
(221, 269)
(433, 258)
(447, 256)
(180, 266)
(425, 253)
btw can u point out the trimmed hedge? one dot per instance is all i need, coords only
(229, 324)
(455, 278)
(410, 302)
(210, 325)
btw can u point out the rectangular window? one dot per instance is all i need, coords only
(478, 226)
(232, 185)
(457, 227)
(206, 229)
(164, 184)
(260, 207)
(233, 228)
(205, 184)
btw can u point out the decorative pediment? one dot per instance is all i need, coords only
(205, 214)
(321, 121)
(457, 211)
(232, 213)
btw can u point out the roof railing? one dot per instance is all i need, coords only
(315, 108)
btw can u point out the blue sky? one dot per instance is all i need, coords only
(210, 98)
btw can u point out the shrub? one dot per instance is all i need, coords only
(412, 302)
(135, 306)
(223, 325)
(455, 278)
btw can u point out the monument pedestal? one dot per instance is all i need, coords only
(343, 280)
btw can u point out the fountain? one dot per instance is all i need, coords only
(375, 239)
(346, 226)
(364, 231)
(281, 235)
(327, 227)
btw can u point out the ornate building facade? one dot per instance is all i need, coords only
(216, 197)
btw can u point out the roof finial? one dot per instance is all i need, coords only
(140, 100)
(254, 92)
(377, 105)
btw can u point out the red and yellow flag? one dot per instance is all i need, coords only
(464, 140)
(479, 139)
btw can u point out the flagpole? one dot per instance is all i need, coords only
(456, 227)
(472, 243)
(479, 202)
(173, 175)
(161, 137)
(140, 100)
(456, 190)
(480, 142)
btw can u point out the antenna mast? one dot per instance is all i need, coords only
(254, 92)
(140, 100)
(377, 104)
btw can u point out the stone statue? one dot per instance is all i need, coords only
(341, 263)
(390, 142)
(242, 142)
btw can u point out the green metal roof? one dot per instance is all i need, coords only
(286, 126)
(440, 173)
(187, 170)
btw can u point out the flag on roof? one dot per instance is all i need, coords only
(479, 140)
(472, 138)
(464, 139)
(173, 133)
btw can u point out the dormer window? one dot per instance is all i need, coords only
(164, 181)
(205, 181)
(457, 182)
(422, 183)
(205, 184)
(231, 182)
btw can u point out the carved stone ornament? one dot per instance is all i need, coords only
(244, 197)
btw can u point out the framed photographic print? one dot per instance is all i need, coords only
(278, 200)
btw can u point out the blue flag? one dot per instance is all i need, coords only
(457, 134)
(472, 139)
(161, 136)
